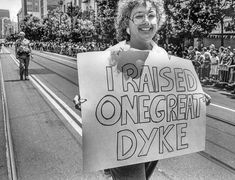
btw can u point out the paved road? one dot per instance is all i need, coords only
(47, 146)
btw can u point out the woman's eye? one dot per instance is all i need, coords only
(151, 16)
(139, 16)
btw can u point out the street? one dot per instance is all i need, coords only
(46, 128)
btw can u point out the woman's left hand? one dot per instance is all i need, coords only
(207, 99)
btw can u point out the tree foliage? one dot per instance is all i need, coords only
(193, 18)
(185, 19)
(106, 17)
(32, 26)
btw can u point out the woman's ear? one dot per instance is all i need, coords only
(128, 31)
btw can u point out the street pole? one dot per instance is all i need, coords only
(222, 31)
(222, 25)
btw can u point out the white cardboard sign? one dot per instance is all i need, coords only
(143, 108)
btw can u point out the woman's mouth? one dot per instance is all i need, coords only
(145, 29)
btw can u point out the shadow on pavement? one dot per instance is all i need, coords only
(13, 80)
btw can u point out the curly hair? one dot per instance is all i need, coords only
(124, 12)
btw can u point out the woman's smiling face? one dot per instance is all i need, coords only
(143, 22)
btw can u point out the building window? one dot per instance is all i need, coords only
(30, 7)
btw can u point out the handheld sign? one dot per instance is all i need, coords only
(140, 107)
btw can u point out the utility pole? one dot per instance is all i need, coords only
(222, 30)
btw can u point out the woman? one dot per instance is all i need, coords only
(206, 66)
(197, 63)
(225, 61)
(137, 24)
(214, 66)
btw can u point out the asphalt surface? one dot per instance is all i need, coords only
(46, 147)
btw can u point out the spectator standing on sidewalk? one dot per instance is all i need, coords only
(225, 60)
(214, 65)
(23, 53)
(232, 68)
(206, 66)
(197, 62)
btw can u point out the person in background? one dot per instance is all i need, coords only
(211, 48)
(23, 53)
(206, 66)
(232, 68)
(197, 62)
(214, 65)
(225, 60)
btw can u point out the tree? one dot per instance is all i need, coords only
(32, 26)
(74, 11)
(57, 25)
(105, 19)
(84, 28)
(193, 18)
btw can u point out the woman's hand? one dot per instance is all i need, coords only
(207, 99)
(129, 62)
(78, 101)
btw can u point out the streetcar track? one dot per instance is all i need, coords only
(217, 161)
(59, 76)
(55, 73)
(220, 130)
(220, 119)
(222, 147)
(55, 61)
(213, 158)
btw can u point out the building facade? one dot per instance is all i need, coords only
(6, 28)
(3, 15)
(84, 4)
(31, 7)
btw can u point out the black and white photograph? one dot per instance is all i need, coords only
(117, 89)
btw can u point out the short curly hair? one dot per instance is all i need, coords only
(124, 12)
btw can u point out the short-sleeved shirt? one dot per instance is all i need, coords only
(22, 46)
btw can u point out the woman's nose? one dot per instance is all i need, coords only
(146, 19)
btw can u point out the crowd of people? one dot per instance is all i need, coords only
(214, 66)
(69, 48)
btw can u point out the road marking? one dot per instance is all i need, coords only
(59, 100)
(216, 105)
(50, 95)
(57, 106)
